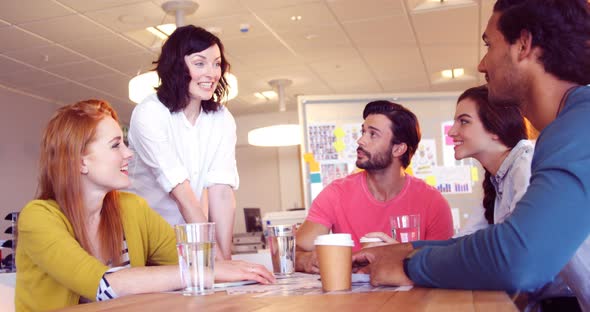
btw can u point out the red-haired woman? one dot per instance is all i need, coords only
(81, 239)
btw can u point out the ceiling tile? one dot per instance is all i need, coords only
(388, 62)
(354, 10)
(103, 46)
(8, 66)
(130, 64)
(228, 27)
(30, 78)
(435, 27)
(313, 44)
(42, 57)
(80, 71)
(275, 4)
(312, 15)
(91, 5)
(114, 84)
(17, 12)
(259, 51)
(440, 57)
(14, 38)
(130, 17)
(370, 33)
(67, 28)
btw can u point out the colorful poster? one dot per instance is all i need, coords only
(333, 171)
(425, 157)
(321, 141)
(352, 132)
(453, 180)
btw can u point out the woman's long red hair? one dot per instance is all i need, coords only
(65, 140)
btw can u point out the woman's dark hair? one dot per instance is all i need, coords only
(507, 123)
(173, 91)
(560, 28)
(404, 126)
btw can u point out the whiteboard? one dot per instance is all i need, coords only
(328, 123)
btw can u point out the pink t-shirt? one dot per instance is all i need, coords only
(347, 206)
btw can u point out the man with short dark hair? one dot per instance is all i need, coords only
(538, 56)
(363, 202)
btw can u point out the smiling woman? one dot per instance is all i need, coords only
(82, 240)
(184, 139)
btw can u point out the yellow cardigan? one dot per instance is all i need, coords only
(53, 270)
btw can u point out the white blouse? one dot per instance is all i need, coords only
(510, 182)
(169, 150)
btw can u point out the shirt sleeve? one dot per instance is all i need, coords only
(223, 169)
(150, 137)
(526, 251)
(440, 223)
(323, 207)
(44, 237)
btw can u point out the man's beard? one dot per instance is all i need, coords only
(379, 161)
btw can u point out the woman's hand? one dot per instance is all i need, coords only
(385, 239)
(236, 270)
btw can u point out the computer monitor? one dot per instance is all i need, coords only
(253, 220)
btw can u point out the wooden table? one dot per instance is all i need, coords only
(417, 299)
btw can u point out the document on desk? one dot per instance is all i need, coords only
(299, 284)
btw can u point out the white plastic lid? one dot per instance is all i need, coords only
(370, 240)
(342, 239)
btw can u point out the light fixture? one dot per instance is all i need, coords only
(277, 135)
(143, 85)
(162, 31)
(453, 73)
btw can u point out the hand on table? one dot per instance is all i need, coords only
(237, 270)
(307, 261)
(385, 239)
(384, 264)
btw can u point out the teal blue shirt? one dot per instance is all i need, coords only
(547, 227)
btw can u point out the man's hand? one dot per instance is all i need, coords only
(307, 261)
(384, 264)
(385, 239)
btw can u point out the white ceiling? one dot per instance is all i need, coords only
(68, 50)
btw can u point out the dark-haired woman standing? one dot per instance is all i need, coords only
(184, 139)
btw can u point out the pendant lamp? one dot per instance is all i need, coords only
(281, 134)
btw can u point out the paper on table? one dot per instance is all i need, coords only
(233, 284)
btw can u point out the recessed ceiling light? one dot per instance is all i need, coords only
(447, 73)
(162, 31)
(296, 17)
(453, 73)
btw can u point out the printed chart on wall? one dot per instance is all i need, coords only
(332, 153)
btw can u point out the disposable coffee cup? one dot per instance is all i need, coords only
(334, 253)
(365, 241)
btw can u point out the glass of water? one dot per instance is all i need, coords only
(195, 243)
(405, 228)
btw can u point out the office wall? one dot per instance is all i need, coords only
(270, 177)
(22, 121)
